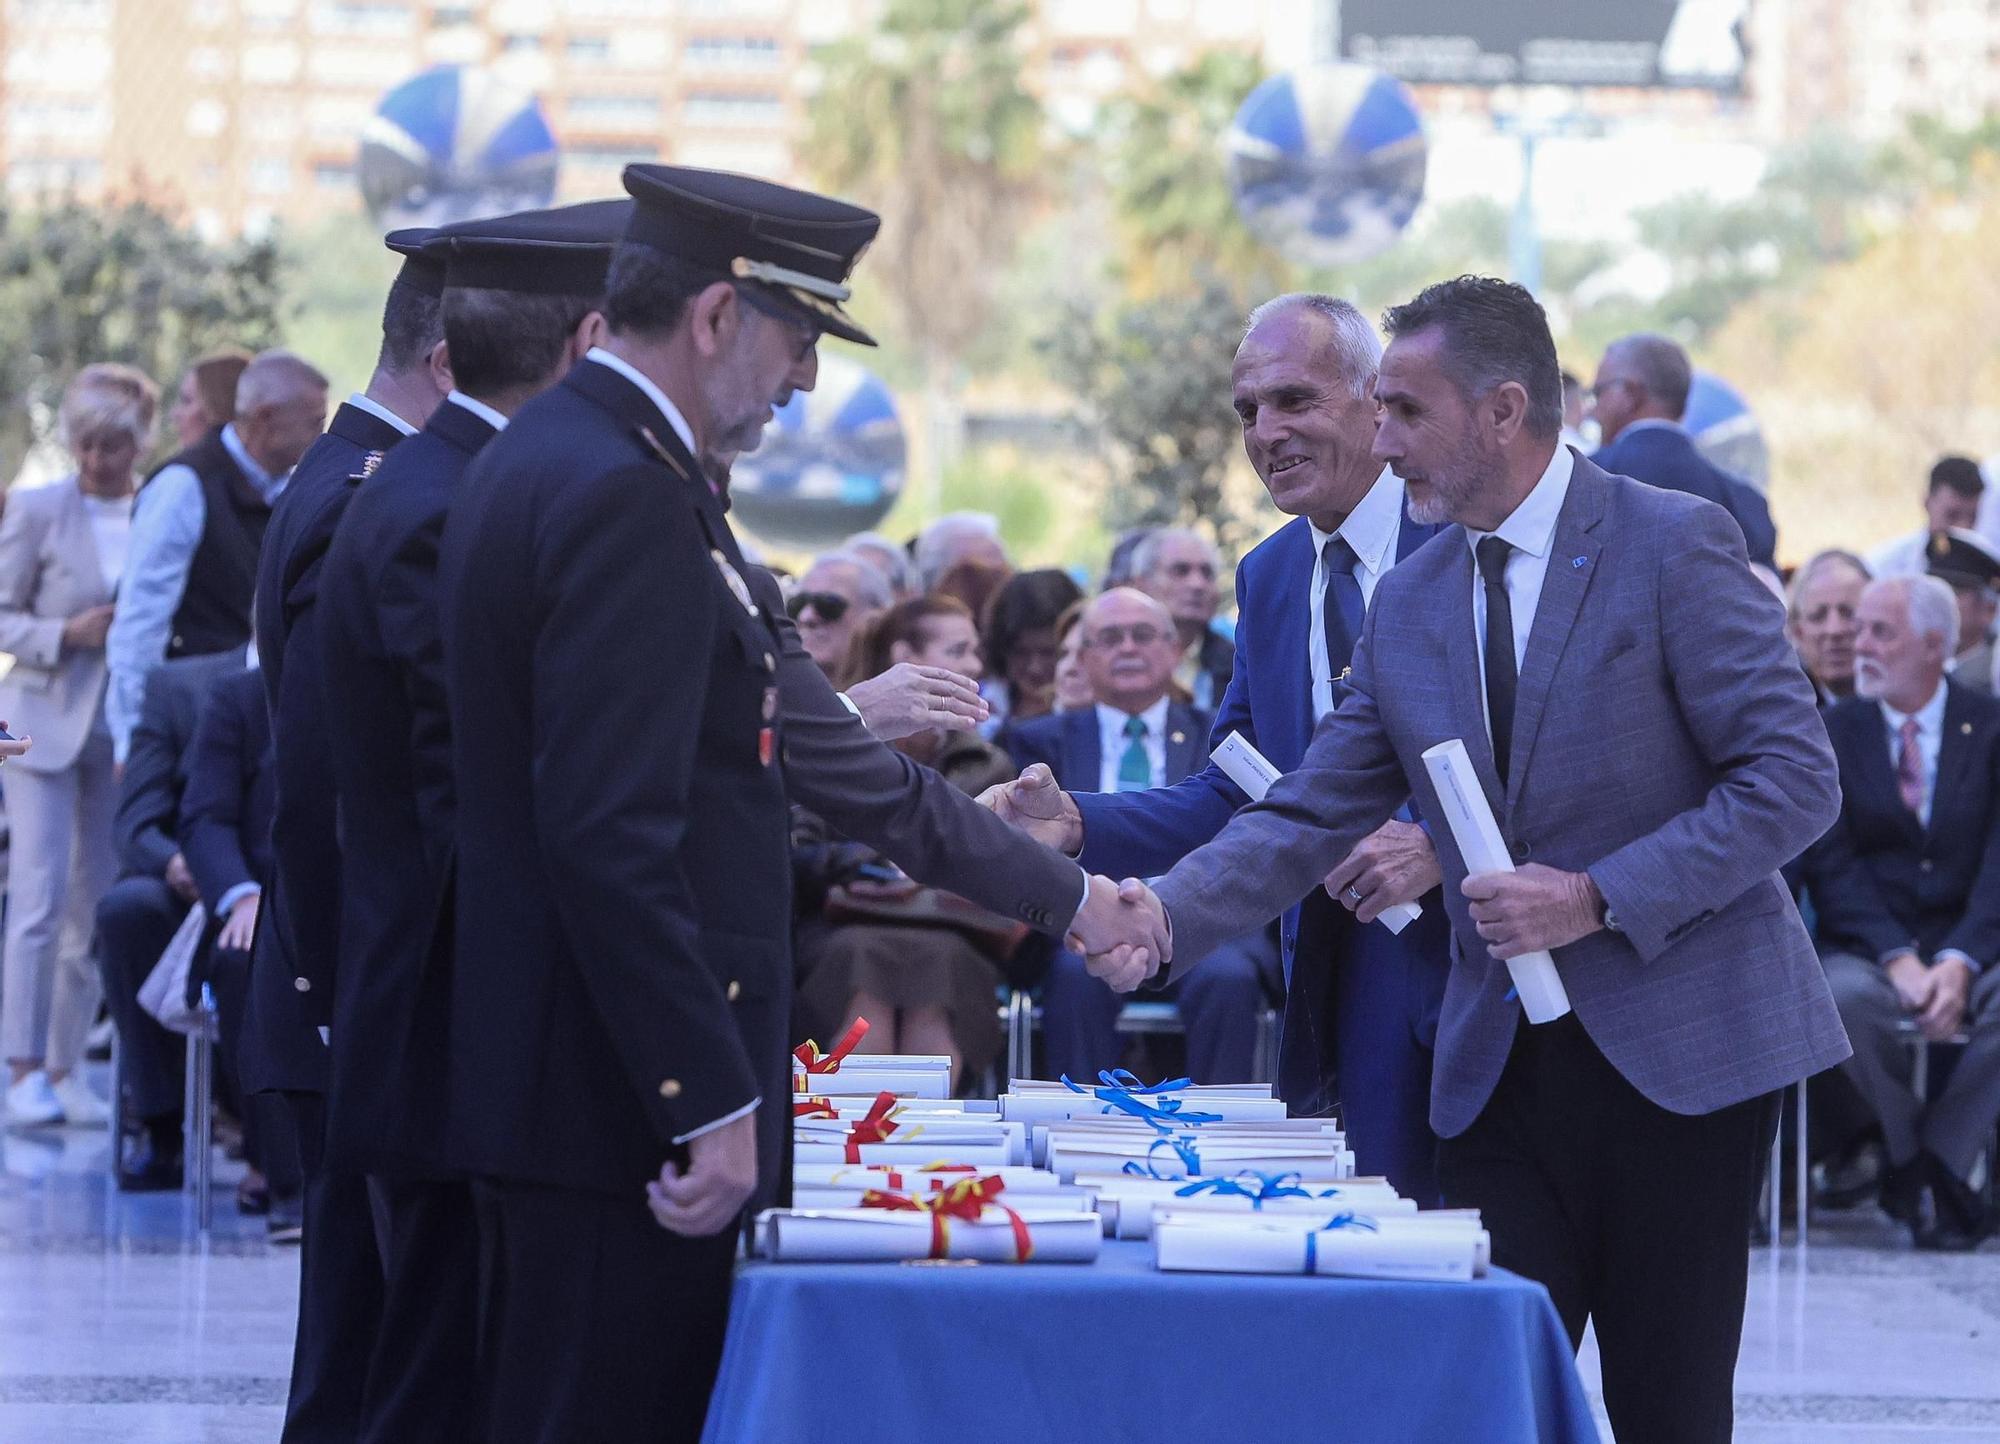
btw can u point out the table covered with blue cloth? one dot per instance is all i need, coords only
(1116, 1351)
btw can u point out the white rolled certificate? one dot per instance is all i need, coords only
(1484, 850)
(858, 1234)
(1252, 771)
(1377, 1246)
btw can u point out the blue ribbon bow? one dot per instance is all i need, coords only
(1347, 1219)
(1190, 1161)
(1122, 1092)
(1259, 1186)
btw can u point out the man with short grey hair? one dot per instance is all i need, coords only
(958, 537)
(890, 560)
(1178, 567)
(1907, 886)
(1641, 394)
(198, 531)
(835, 598)
(1361, 1004)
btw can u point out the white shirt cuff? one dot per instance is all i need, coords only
(724, 1121)
(848, 702)
(1970, 962)
(227, 903)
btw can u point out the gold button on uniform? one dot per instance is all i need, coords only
(304, 985)
(670, 1088)
(735, 991)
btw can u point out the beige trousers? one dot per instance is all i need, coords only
(61, 861)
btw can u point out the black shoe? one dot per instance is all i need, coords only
(1858, 1174)
(149, 1170)
(286, 1222)
(1960, 1219)
(1903, 1192)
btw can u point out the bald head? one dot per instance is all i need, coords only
(1129, 649)
(1644, 376)
(280, 409)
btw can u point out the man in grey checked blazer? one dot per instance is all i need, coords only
(1660, 760)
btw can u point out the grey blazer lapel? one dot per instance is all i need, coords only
(72, 537)
(1461, 651)
(1573, 557)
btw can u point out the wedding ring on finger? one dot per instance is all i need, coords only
(1354, 893)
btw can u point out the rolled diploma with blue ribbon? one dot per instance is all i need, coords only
(1142, 1200)
(1416, 1247)
(1536, 980)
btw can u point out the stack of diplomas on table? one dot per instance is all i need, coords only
(1135, 1203)
(905, 1133)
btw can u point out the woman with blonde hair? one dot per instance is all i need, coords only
(62, 552)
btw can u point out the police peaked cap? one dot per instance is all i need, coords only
(423, 258)
(1962, 558)
(565, 251)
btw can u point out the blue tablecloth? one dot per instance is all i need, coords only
(1115, 1351)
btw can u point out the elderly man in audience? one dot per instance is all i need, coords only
(138, 917)
(1951, 501)
(1819, 619)
(1907, 887)
(1178, 568)
(1133, 739)
(1965, 561)
(835, 598)
(890, 560)
(63, 555)
(962, 536)
(198, 531)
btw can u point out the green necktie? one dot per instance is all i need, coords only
(1135, 768)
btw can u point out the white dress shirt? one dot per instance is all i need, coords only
(380, 412)
(1905, 557)
(1930, 737)
(653, 393)
(1112, 742)
(1531, 529)
(1371, 529)
(168, 519)
(478, 408)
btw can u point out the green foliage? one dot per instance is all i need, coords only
(1154, 379)
(925, 118)
(123, 283)
(338, 273)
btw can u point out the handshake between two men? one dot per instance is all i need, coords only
(1122, 930)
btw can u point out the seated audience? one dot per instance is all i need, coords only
(1819, 619)
(206, 399)
(1019, 644)
(1641, 393)
(1965, 562)
(1134, 738)
(961, 536)
(921, 966)
(226, 836)
(1073, 690)
(63, 550)
(835, 598)
(138, 917)
(1119, 570)
(1907, 888)
(1951, 502)
(890, 560)
(1179, 568)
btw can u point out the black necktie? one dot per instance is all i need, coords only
(1341, 609)
(1500, 673)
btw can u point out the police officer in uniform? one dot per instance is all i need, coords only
(520, 308)
(291, 983)
(623, 966)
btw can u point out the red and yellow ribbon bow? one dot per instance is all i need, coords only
(815, 1108)
(967, 1199)
(874, 1128)
(811, 1060)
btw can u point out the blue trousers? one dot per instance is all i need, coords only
(1221, 1002)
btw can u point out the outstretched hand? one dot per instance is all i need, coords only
(908, 699)
(1033, 803)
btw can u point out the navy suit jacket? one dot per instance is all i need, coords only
(226, 811)
(1269, 701)
(300, 920)
(390, 745)
(147, 825)
(1881, 881)
(1666, 457)
(1068, 743)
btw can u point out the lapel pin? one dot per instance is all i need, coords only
(1965, 729)
(1579, 562)
(1180, 737)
